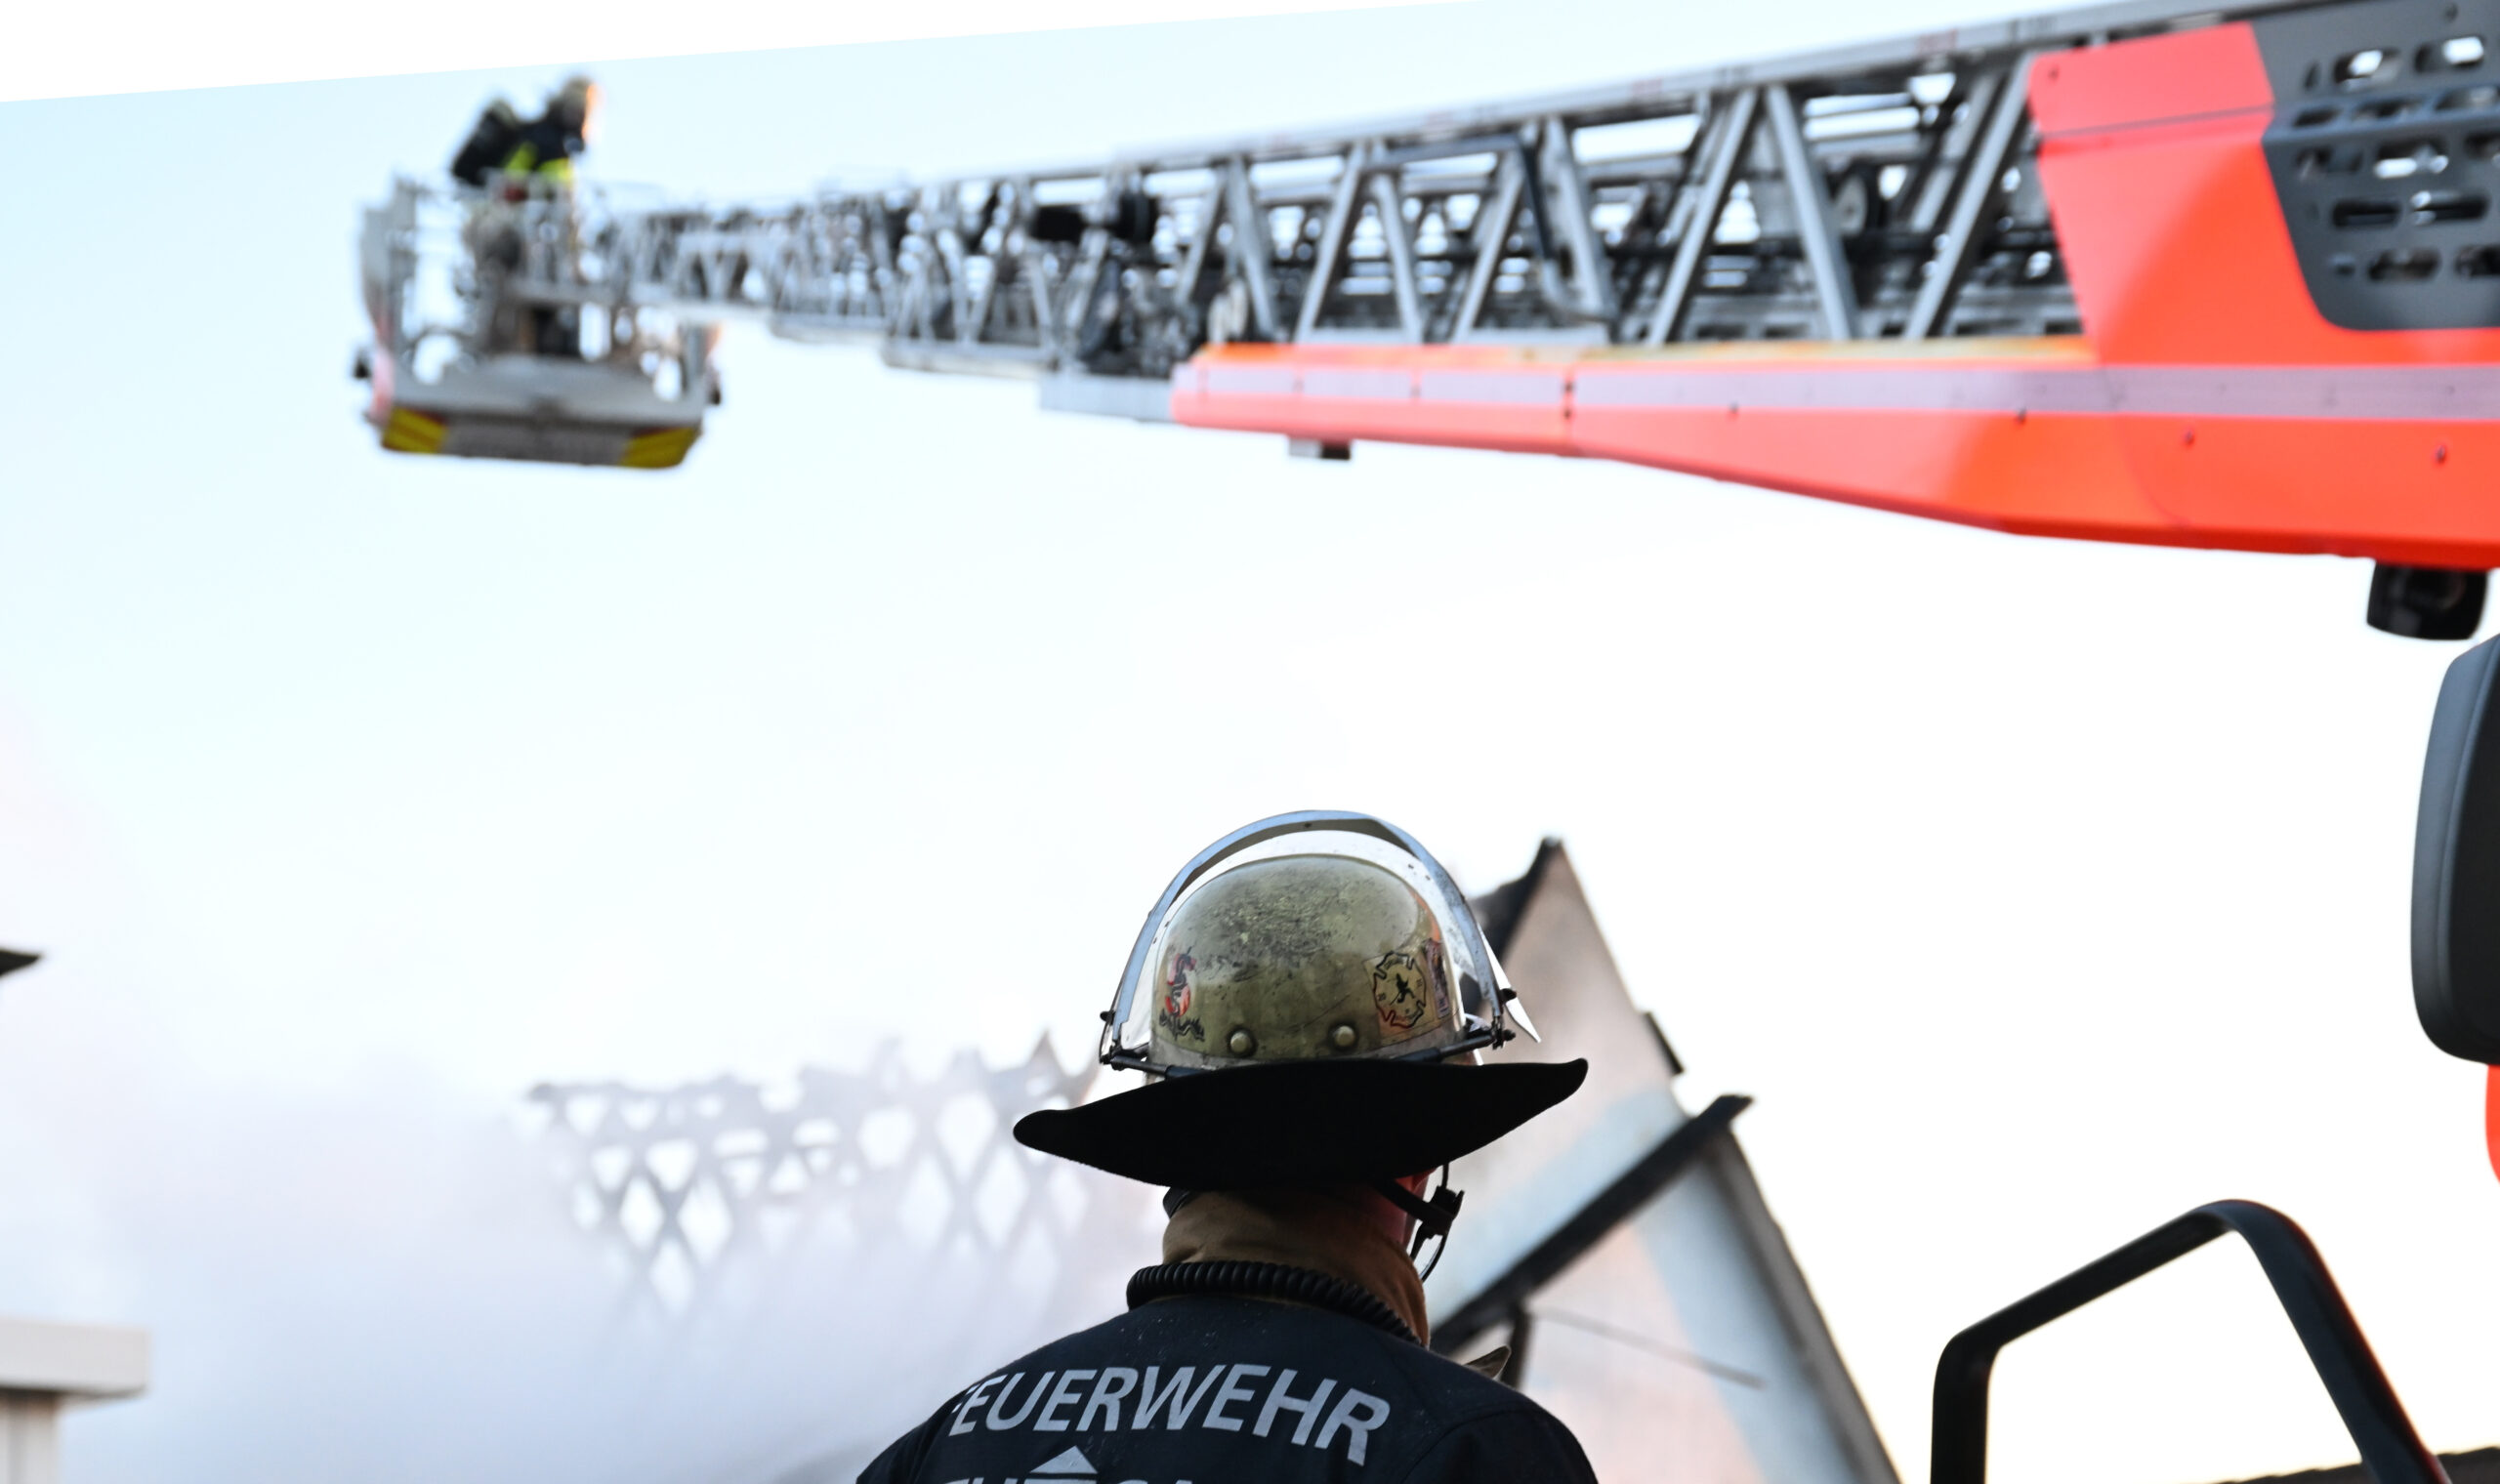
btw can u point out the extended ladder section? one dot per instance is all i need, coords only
(1561, 222)
(2228, 278)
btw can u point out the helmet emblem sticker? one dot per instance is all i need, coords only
(1176, 984)
(1178, 994)
(1397, 989)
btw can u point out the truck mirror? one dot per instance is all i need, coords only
(2456, 865)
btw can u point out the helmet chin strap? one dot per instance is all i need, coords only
(1433, 1218)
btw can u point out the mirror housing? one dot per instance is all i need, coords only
(2456, 865)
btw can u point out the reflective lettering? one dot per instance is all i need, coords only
(1106, 1399)
(1000, 1424)
(1280, 1400)
(1149, 1402)
(1233, 1391)
(971, 1399)
(1062, 1395)
(1357, 1429)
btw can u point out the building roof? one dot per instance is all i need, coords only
(1621, 1246)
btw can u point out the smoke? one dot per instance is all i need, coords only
(389, 1280)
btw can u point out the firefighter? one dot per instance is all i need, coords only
(1310, 997)
(503, 142)
(513, 160)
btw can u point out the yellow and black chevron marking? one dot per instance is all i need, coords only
(658, 447)
(409, 432)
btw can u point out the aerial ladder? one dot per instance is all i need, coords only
(2150, 271)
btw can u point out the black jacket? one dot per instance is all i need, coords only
(497, 140)
(1220, 1389)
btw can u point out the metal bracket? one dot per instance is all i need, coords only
(1978, 187)
(1489, 236)
(1595, 284)
(1813, 203)
(1332, 240)
(1386, 202)
(1211, 209)
(1252, 244)
(1733, 131)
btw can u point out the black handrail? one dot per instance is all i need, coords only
(2390, 1449)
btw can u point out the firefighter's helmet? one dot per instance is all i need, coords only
(577, 101)
(1299, 958)
(1311, 994)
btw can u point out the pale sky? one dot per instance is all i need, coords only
(2037, 891)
